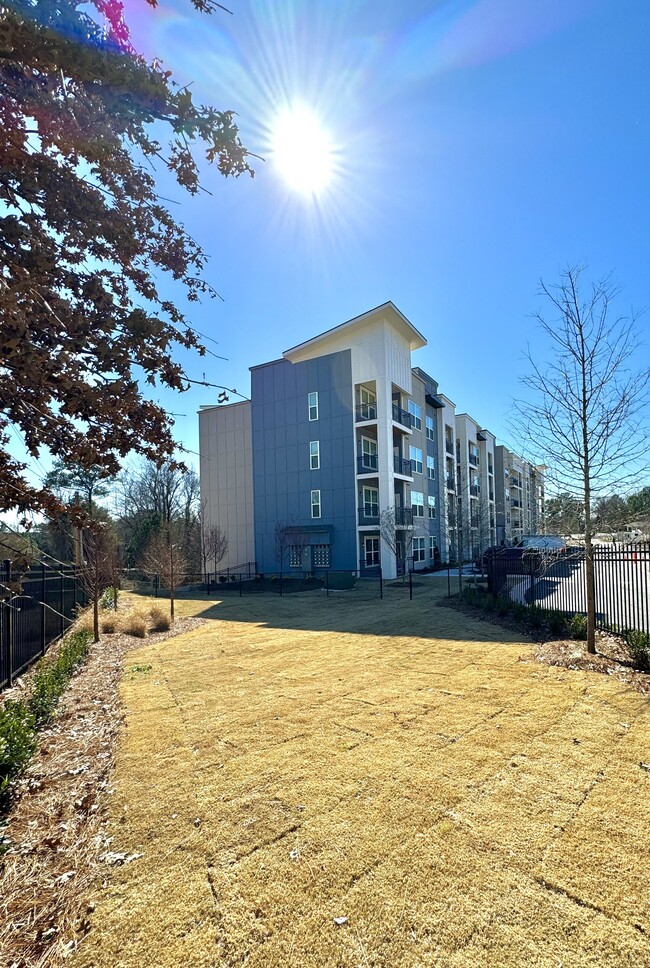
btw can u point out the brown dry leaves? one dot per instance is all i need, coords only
(57, 846)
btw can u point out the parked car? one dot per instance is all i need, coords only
(542, 542)
(531, 545)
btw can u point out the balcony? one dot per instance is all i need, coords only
(450, 482)
(403, 517)
(366, 411)
(402, 417)
(451, 519)
(514, 503)
(402, 467)
(449, 447)
(473, 459)
(367, 464)
(369, 515)
(475, 490)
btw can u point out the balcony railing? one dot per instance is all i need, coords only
(451, 519)
(450, 482)
(402, 466)
(449, 447)
(473, 459)
(475, 490)
(402, 416)
(366, 411)
(514, 503)
(367, 464)
(369, 514)
(403, 517)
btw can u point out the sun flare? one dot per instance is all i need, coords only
(302, 151)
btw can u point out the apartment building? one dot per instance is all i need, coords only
(519, 495)
(353, 453)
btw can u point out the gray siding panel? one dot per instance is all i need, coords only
(282, 431)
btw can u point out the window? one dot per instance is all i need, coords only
(313, 406)
(418, 549)
(315, 504)
(429, 425)
(321, 556)
(370, 502)
(432, 548)
(416, 459)
(417, 503)
(314, 455)
(368, 405)
(371, 551)
(295, 556)
(416, 415)
(431, 468)
(368, 454)
(431, 502)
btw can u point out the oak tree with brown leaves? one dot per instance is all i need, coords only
(84, 237)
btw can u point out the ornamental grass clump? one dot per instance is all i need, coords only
(159, 621)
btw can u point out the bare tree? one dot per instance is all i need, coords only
(214, 541)
(164, 557)
(100, 565)
(399, 540)
(289, 536)
(588, 410)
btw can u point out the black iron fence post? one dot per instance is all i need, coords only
(9, 625)
(156, 581)
(531, 589)
(327, 583)
(448, 579)
(62, 600)
(411, 585)
(43, 609)
(381, 583)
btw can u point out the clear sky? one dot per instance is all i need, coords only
(478, 145)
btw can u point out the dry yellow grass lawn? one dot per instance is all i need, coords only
(302, 759)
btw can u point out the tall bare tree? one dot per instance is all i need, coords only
(399, 540)
(588, 412)
(214, 540)
(99, 570)
(164, 557)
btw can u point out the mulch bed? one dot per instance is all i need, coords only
(611, 658)
(55, 847)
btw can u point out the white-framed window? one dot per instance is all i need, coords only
(312, 403)
(428, 421)
(314, 454)
(431, 468)
(415, 455)
(371, 552)
(417, 503)
(416, 415)
(432, 547)
(370, 502)
(431, 504)
(315, 504)
(295, 556)
(368, 404)
(321, 556)
(418, 549)
(368, 454)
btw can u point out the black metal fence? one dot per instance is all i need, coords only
(558, 581)
(36, 608)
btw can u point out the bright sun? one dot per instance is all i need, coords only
(302, 151)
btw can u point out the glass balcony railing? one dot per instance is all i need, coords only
(366, 411)
(369, 514)
(367, 464)
(402, 466)
(402, 416)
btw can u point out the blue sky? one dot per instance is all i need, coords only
(480, 145)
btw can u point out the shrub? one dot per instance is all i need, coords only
(638, 645)
(135, 624)
(109, 623)
(52, 676)
(160, 621)
(557, 622)
(535, 617)
(17, 744)
(109, 598)
(578, 626)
